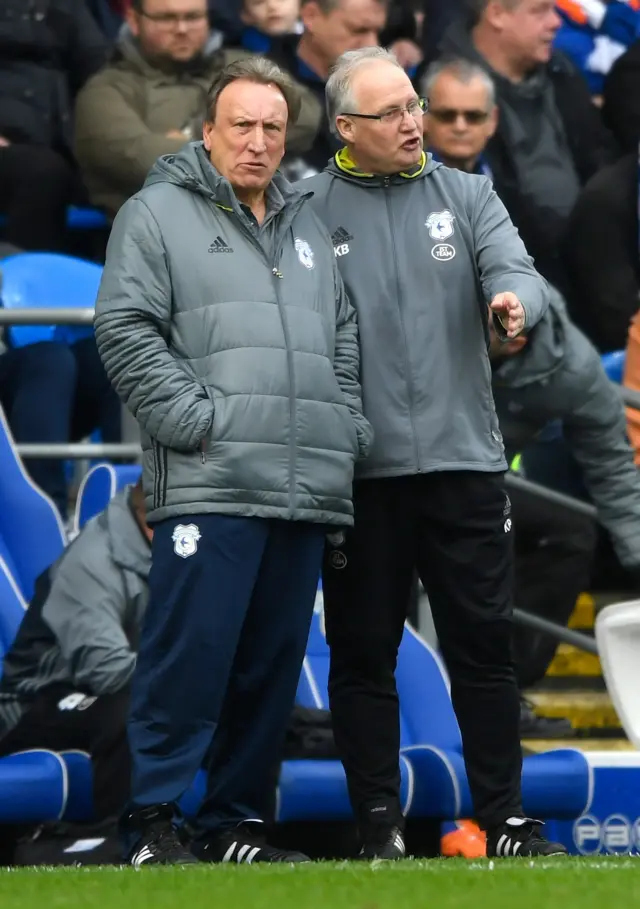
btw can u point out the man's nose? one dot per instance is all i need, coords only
(256, 142)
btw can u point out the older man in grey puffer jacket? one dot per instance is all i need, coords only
(223, 324)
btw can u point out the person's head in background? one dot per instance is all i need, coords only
(332, 27)
(136, 501)
(169, 31)
(271, 17)
(373, 108)
(514, 36)
(462, 114)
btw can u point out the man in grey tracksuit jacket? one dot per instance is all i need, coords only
(234, 345)
(423, 251)
(65, 679)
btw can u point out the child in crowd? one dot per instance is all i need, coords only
(267, 19)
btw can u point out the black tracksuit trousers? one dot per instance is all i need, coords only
(455, 528)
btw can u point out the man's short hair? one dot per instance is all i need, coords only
(476, 8)
(464, 71)
(136, 5)
(338, 88)
(256, 69)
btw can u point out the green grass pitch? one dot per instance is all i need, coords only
(581, 883)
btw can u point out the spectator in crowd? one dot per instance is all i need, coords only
(461, 118)
(56, 392)
(631, 380)
(422, 249)
(109, 14)
(462, 114)
(330, 27)
(555, 374)
(549, 139)
(594, 33)
(602, 254)
(48, 49)
(264, 20)
(252, 420)
(66, 678)
(149, 101)
(621, 107)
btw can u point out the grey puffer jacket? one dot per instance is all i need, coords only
(235, 347)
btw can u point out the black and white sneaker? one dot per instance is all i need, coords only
(243, 845)
(158, 843)
(380, 842)
(520, 836)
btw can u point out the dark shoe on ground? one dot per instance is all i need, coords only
(158, 843)
(520, 837)
(243, 845)
(533, 726)
(380, 842)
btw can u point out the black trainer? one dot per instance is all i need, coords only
(243, 845)
(533, 726)
(520, 836)
(380, 842)
(158, 843)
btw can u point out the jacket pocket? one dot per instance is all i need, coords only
(353, 432)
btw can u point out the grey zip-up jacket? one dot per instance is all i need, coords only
(421, 255)
(235, 347)
(81, 628)
(558, 375)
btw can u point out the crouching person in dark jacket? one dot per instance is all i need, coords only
(224, 326)
(66, 679)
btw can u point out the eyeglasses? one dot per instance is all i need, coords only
(416, 109)
(472, 117)
(173, 20)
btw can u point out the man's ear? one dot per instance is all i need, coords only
(492, 123)
(207, 128)
(132, 19)
(345, 128)
(309, 15)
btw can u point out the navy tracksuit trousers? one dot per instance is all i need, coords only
(220, 654)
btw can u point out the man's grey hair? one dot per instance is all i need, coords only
(464, 71)
(261, 71)
(338, 89)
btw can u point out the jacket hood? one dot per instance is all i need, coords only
(342, 165)
(129, 547)
(544, 352)
(128, 48)
(192, 169)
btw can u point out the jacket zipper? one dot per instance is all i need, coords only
(277, 276)
(410, 388)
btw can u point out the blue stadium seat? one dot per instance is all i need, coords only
(86, 218)
(614, 365)
(33, 787)
(99, 486)
(79, 218)
(30, 524)
(556, 784)
(12, 603)
(35, 280)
